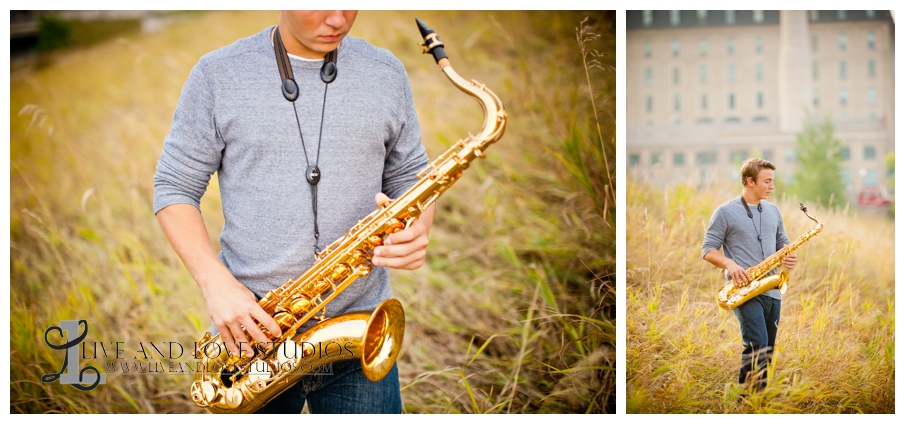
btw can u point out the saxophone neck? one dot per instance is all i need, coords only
(494, 113)
(812, 218)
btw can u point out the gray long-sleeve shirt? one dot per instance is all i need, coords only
(732, 230)
(232, 119)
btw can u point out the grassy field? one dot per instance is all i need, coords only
(513, 311)
(835, 347)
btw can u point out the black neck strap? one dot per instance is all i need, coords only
(291, 93)
(761, 219)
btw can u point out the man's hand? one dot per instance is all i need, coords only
(234, 309)
(790, 261)
(738, 274)
(229, 304)
(407, 248)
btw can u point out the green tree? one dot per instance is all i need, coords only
(819, 176)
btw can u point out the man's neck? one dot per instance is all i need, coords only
(750, 197)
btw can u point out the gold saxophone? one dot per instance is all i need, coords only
(730, 297)
(242, 384)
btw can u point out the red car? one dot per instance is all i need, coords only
(874, 196)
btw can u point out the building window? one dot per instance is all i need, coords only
(814, 15)
(702, 17)
(706, 157)
(791, 154)
(676, 103)
(759, 72)
(843, 96)
(730, 46)
(648, 48)
(842, 70)
(816, 97)
(814, 38)
(758, 45)
(870, 13)
(870, 178)
(870, 152)
(760, 99)
(703, 46)
(647, 17)
(758, 16)
(678, 159)
(846, 175)
(654, 158)
(871, 40)
(731, 101)
(730, 17)
(815, 68)
(730, 73)
(871, 68)
(843, 41)
(649, 75)
(846, 153)
(675, 75)
(871, 96)
(703, 102)
(767, 155)
(736, 157)
(675, 17)
(634, 160)
(675, 47)
(649, 104)
(703, 74)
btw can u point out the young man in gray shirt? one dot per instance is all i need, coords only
(361, 133)
(748, 230)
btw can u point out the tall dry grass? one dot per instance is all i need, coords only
(513, 311)
(836, 341)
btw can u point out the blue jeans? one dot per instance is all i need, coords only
(758, 318)
(346, 391)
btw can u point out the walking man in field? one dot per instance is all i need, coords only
(298, 165)
(748, 230)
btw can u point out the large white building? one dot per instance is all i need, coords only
(707, 89)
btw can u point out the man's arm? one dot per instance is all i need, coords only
(714, 238)
(738, 274)
(230, 305)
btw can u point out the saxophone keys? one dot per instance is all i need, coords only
(208, 391)
(394, 226)
(284, 319)
(258, 372)
(233, 398)
(299, 304)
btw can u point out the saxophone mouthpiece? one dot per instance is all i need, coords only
(432, 43)
(803, 207)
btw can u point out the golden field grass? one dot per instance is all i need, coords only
(835, 348)
(513, 311)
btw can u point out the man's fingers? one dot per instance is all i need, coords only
(240, 342)
(412, 233)
(381, 198)
(269, 323)
(252, 328)
(227, 338)
(411, 261)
